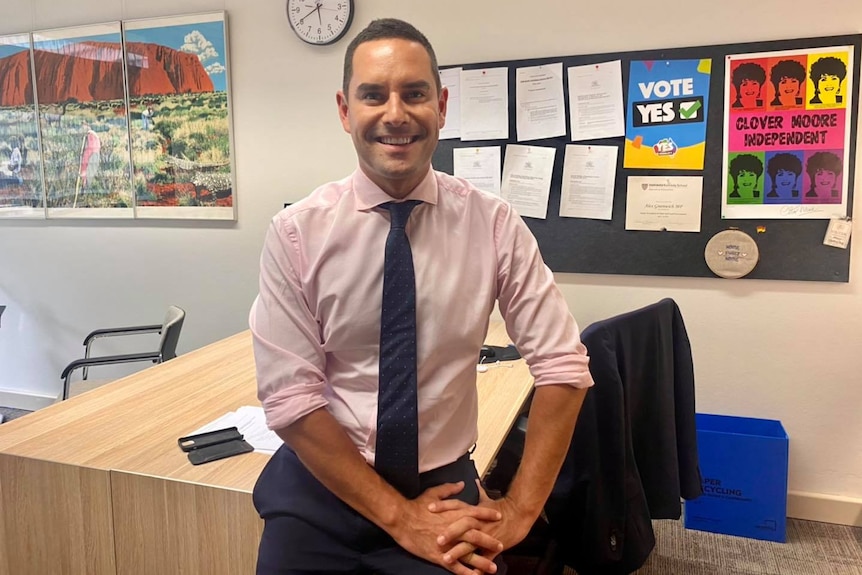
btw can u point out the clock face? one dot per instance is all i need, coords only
(320, 22)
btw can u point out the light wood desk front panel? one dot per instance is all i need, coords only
(56, 519)
(176, 527)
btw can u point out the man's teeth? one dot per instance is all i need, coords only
(397, 141)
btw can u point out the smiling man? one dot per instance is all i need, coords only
(375, 296)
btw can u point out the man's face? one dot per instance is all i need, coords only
(788, 86)
(829, 85)
(824, 181)
(749, 89)
(785, 180)
(393, 113)
(746, 181)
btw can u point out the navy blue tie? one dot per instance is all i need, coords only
(397, 452)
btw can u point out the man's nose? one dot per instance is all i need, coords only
(396, 110)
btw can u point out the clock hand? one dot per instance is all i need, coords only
(319, 17)
(301, 20)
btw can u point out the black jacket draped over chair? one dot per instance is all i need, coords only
(634, 450)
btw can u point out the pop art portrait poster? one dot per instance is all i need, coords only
(787, 134)
(177, 74)
(667, 110)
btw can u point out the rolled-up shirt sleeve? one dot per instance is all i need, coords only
(289, 357)
(537, 317)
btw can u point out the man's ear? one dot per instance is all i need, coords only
(443, 104)
(341, 100)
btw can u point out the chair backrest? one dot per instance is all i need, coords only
(171, 332)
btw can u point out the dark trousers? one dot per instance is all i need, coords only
(307, 529)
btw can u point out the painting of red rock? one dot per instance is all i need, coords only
(20, 163)
(83, 121)
(177, 76)
(118, 120)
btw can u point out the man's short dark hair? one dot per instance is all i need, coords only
(382, 29)
(823, 161)
(787, 69)
(827, 66)
(745, 163)
(748, 71)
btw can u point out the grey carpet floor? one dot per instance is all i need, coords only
(10, 413)
(77, 388)
(811, 549)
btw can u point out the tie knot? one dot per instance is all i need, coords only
(400, 212)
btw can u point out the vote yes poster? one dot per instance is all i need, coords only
(667, 108)
(787, 133)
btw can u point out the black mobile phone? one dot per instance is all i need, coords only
(192, 442)
(219, 451)
(487, 354)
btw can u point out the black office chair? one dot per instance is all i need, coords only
(169, 329)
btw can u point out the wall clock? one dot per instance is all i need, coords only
(320, 22)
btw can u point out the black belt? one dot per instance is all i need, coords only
(462, 469)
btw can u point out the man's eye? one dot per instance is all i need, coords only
(371, 96)
(415, 95)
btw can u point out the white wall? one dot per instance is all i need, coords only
(784, 350)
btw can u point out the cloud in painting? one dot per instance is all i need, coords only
(215, 68)
(197, 44)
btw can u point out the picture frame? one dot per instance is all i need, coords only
(180, 120)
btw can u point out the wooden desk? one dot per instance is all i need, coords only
(97, 485)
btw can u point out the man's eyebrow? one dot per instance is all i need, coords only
(418, 84)
(369, 87)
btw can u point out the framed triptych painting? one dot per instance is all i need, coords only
(119, 120)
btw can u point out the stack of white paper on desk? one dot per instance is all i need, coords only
(251, 423)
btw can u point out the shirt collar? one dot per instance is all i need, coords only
(369, 195)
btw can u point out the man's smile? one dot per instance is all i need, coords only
(396, 140)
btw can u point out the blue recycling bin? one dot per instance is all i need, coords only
(744, 463)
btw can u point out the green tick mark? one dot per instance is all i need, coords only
(691, 111)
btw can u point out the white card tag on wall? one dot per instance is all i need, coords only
(838, 233)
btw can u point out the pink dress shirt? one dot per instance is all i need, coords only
(316, 321)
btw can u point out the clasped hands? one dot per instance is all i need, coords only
(462, 538)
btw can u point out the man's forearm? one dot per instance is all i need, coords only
(324, 448)
(553, 414)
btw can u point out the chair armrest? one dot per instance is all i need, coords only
(122, 331)
(154, 356)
